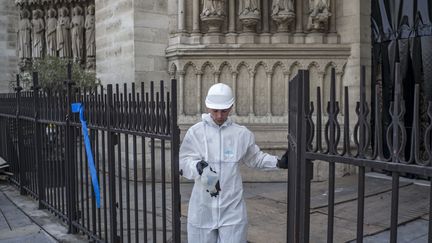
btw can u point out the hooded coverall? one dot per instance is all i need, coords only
(222, 218)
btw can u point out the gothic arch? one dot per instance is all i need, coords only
(314, 64)
(172, 69)
(245, 64)
(279, 64)
(208, 64)
(188, 64)
(225, 64)
(261, 63)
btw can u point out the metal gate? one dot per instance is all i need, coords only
(135, 140)
(311, 139)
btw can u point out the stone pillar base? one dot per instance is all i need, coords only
(195, 38)
(299, 38)
(212, 38)
(332, 38)
(231, 38)
(281, 38)
(178, 38)
(315, 38)
(264, 38)
(246, 38)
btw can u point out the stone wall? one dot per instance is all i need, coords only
(115, 62)
(151, 39)
(8, 55)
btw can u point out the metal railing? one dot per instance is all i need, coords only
(376, 146)
(134, 138)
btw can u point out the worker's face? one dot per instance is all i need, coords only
(219, 116)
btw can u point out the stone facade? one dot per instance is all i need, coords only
(8, 54)
(256, 47)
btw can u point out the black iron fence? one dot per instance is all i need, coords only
(134, 139)
(396, 149)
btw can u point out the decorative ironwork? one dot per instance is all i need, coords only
(42, 141)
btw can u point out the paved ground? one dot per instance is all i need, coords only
(267, 209)
(21, 221)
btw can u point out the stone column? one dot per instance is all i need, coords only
(269, 94)
(195, 17)
(181, 76)
(251, 93)
(287, 76)
(234, 88)
(321, 75)
(299, 34)
(199, 76)
(265, 36)
(181, 16)
(231, 36)
(232, 22)
(265, 11)
(332, 36)
(339, 90)
(217, 77)
(196, 31)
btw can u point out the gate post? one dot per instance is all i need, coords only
(175, 176)
(21, 169)
(70, 161)
(111, 168)
(37, 141)
(299, 169)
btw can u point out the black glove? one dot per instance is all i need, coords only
(200, 166)
(218, 189)
(283, 162)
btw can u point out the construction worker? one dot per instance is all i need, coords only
(210, 154)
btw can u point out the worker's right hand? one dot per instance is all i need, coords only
(208, 178)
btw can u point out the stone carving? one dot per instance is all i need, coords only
(213, 7)
(90, 37)
(319, 15)
(249, 14)
(283, 14)
(213, 14)
(24, 35)
(63, 33)
(90, 32)
(38, 33)
(20, 2)
(51, 37)
(249, 7)
(77, 33)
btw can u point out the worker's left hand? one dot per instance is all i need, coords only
(283, 162)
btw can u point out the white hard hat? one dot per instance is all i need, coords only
(219, 97)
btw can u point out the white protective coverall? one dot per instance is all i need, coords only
(222, 218)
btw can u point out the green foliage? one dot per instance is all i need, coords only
(52, 72)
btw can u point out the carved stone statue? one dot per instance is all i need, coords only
(77, 33)
(51, 37)
(63, 33)
(319, 15)
(213, 7)
(38, 33)
(24, 35)
(213, 14)
(282, 6)
(90, 32)
(283, 14)
(249, 14)
(249, 7)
